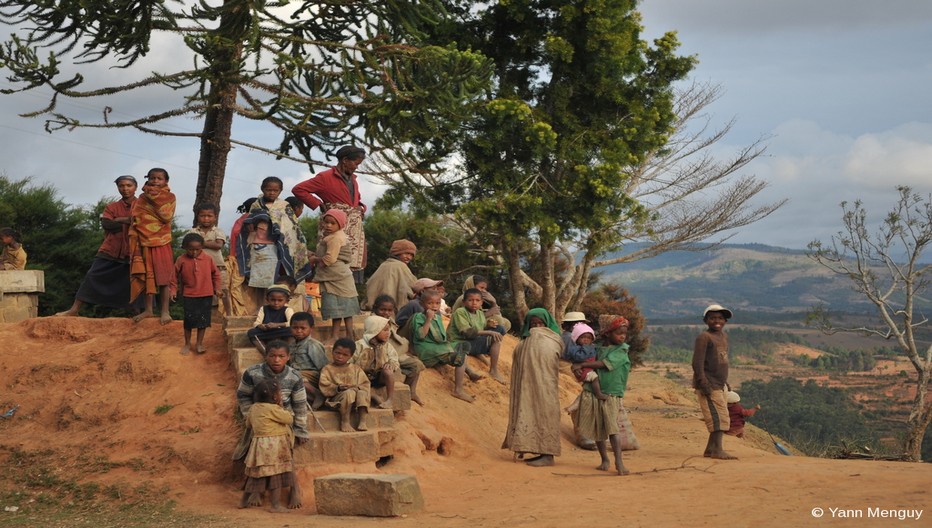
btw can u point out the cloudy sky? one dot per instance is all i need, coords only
(840, 86)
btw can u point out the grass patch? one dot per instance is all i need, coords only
(36, 483)
(164, 408)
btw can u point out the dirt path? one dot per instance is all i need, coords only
(114, 403)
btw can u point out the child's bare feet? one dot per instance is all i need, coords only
(185, 350)
(385, 405)
(294, 496)
(621, 469)
(67, 313)
(254, 499)
(201, 349)
(497, 376)
(417, 399)
(721, 455)
(244, 502)
(473, 375)
(165, 319)
(463, 395)
(346, 427)
(362, 425)
(143, 315)
(603, 466)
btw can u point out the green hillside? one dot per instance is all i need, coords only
(759, 282)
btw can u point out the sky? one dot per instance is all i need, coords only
(841, 89)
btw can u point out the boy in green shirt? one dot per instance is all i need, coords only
(468, 324)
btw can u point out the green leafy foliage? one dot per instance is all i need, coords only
(813, 418)
(59, 238)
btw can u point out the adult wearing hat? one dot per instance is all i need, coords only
(393, 277)
(107, 281)
(337, 188)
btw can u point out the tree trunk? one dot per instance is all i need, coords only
(215, 146)
(919, 418)
(513, 258)
(547, 279)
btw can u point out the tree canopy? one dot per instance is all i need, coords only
(323, 73)
(581, 144)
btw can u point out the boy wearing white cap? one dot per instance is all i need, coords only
(710, 377)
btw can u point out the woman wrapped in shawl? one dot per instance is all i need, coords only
(534, 405)
(152, 264)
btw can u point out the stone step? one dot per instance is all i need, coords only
(330, 420)
(238, 321)
(342, 448)
(402, 399)
(244, 357)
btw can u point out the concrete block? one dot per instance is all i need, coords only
(338, 448)
(22, 281)
(242, 322)
(330, 419)
(366, 494)
(15, 307)
(237, 338)
(243, 358)
(402, 398)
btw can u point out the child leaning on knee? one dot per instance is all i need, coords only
(433, 347)
(469, 325)
(269, 461)
(411, 367)
(13, 256)
(273, 320)
(198, 280)
(346, 386)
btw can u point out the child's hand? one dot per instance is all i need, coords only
(173, 297)
(430, 314)
(496, 337)
(219, 294)
(576, 368)
(757, 406)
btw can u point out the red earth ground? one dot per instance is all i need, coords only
(112, 402)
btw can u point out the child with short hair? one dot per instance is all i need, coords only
(338, 301)
(13, 256)
(489, 305)
(307, 356)
(346, 386)
(198, 280)
(469, 325)
(214, 240)
(410, 365)
(737, 413)
(269, 460)
(393, 276)
(273, 320)
(150, 238)
(433, 347)
(601, 419)
(710, 376)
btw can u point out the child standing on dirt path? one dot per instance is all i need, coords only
(600, 419)
(269, 461)
(214, 240)
(710, 377)
(198, 280)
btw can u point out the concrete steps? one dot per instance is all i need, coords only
(330, 446)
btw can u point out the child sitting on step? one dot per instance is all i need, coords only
(346, 386)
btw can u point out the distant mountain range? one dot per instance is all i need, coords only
(760, 281)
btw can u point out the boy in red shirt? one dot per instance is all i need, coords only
(198, 280)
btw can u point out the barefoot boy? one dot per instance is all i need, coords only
(307, 356)
(468, 324)
(346, 386)
(710, 375)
